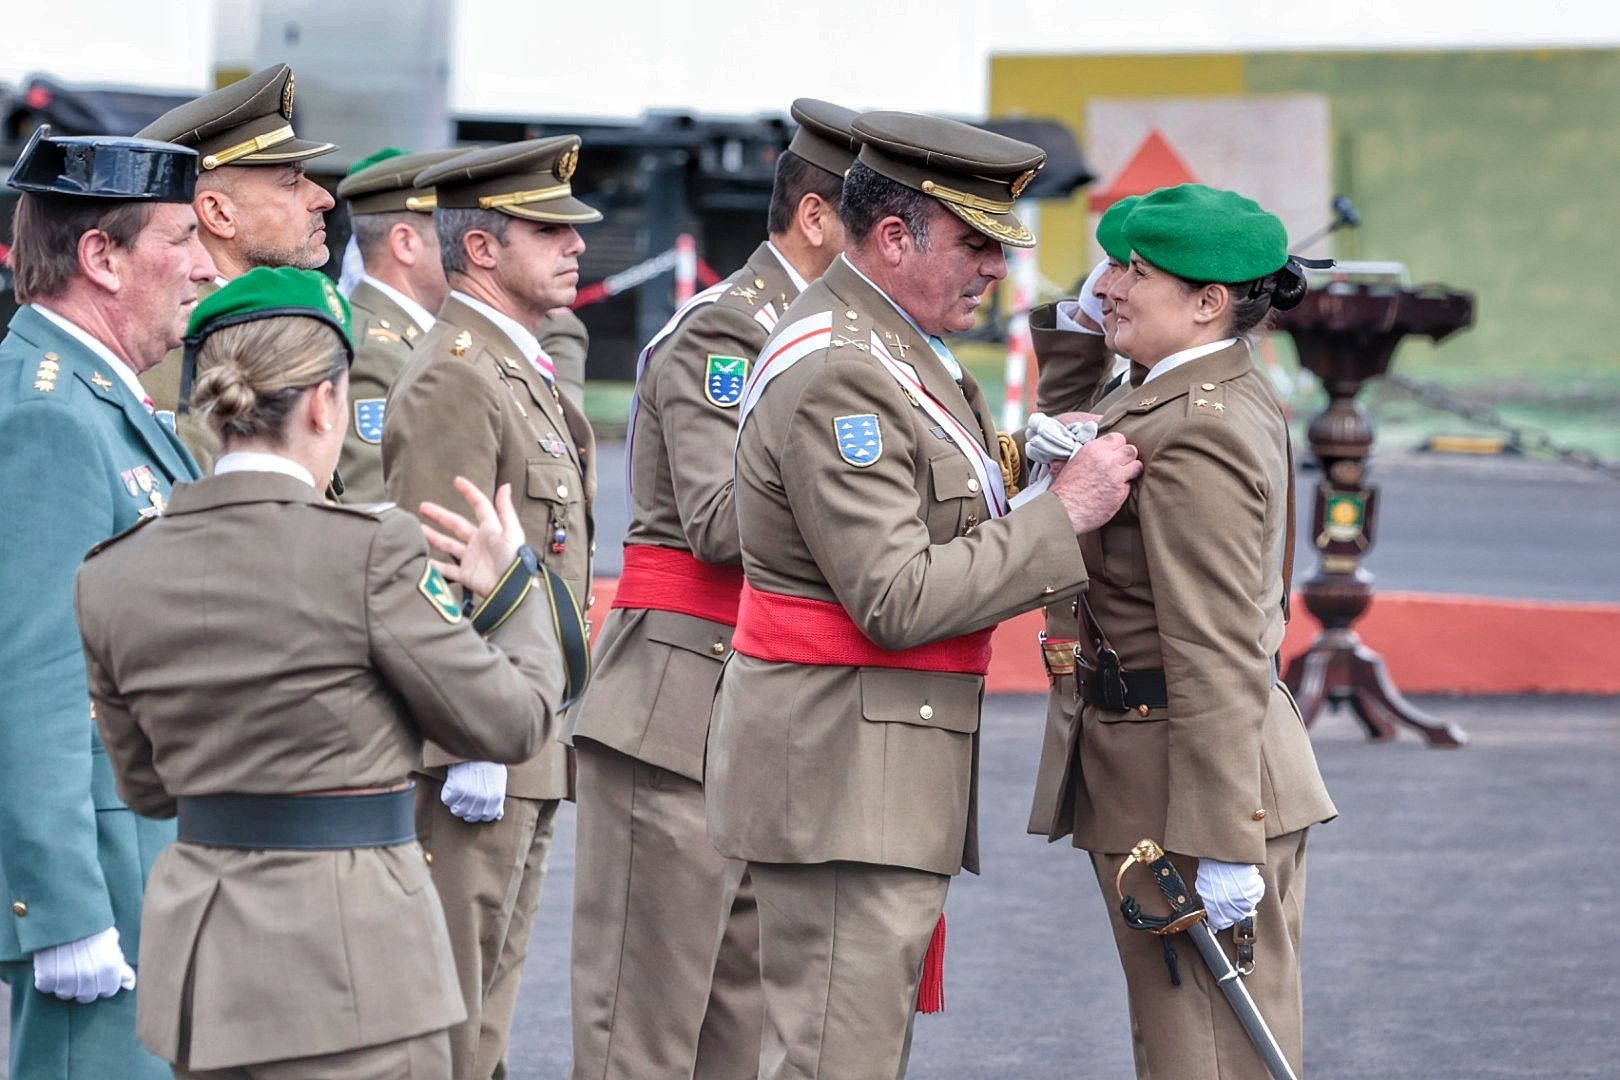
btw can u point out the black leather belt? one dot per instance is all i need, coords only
(299, 822)
(1108, 687)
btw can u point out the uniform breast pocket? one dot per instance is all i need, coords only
(1123, 560)
(958, 502)
(555, 482)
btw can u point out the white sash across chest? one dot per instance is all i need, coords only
(813, 333)
(707, 296)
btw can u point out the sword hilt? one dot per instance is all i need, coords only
(1186, 908)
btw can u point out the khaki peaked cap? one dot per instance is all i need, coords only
(246, 123)
(389, 185)
(976, 173)
(825, 137)
(523, 179)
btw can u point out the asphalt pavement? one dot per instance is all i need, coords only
(1462, 921)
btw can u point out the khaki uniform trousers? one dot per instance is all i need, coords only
(841, 953)
(666, 935)
(424, 1057)
(489, 877)
(1189, 1032)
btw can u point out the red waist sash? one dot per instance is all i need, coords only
(666, 579)
(798, 630)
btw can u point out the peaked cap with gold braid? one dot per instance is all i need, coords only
(246, 123)
(523, 179)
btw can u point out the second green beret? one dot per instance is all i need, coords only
(1201, 233)
(1111, 229)
(270, 292)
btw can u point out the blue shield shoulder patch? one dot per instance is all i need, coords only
(368, 419)
(724, 380)
(860, 441)
(166, 418)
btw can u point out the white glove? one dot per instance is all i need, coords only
(92, 967)
(1231, 891)
(475, 791)
(1048, 440)
(1090, 302)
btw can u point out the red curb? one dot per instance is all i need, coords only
(1434, 644)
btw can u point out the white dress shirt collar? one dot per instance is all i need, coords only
(1186, 356)
(524, 341)
(125, 373)
(416, 311)
(793, 275)
(941, 351)
(259, 461)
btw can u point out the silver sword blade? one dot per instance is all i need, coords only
(1237, 995)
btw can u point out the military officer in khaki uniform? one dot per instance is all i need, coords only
(392, 304)
(564, 338)
(291, 932)
(654, 903)
(255, 206)
(879, 552)
(478, 400)
(1192, 740)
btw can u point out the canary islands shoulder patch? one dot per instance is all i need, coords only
(368, 419)
(724, 380)
(860, 440)
(438, 593)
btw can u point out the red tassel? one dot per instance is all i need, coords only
(931, 994)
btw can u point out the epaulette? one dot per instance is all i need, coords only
(140, 523)
(462, 343)
(46, 373)
(383, 332)
(852, 330)
(1206, 399)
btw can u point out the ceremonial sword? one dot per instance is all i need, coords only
(1187, 916)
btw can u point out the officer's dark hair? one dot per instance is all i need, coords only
(869, 197)
(371, 230)
(796, 178)
(1253, 302)
(250, 375)
(45, 232)
(455, 222)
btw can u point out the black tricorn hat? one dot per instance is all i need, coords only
(105, 167)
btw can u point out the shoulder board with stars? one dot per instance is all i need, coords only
(1206, 399)
(45, 374)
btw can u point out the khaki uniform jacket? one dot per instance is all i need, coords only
(469, 405)
(812, 763)
(162, 383)
(384, 336)
(653, 684)
(1187, 577)
(257, 640)
(566, 341)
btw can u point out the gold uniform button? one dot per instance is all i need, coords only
(1048, 591)
(973, 485)
(718, 648)
(1142, 710)
(590, 601)
(1207, 386)
(759, 283)
(1259, 815)
(926, 712)
(562, 491)
(19, 909)
(852, 314)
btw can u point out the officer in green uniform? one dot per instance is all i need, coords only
(255, 206)
(108, 265)
(394, 303)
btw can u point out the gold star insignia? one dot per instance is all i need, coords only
(1218, 406)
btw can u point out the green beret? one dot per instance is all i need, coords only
(270, 292)
(1111, 229)
(382, 155)
(1201, 233)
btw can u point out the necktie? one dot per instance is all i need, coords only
(952, 365)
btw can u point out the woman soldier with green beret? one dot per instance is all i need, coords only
(265, 665)
(1186, 735)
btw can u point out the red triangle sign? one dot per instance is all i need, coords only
(1153, 166)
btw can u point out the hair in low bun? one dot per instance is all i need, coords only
(1289, 288)
(250, 375)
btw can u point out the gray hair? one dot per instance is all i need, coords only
(455, 222)
(371, 230)
(869, 197)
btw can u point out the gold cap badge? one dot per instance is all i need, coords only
(1023, 180)
(567, 162)
(287, 97)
